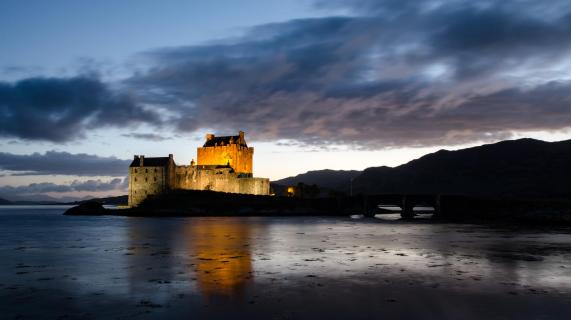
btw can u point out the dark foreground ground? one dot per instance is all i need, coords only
(108, 267)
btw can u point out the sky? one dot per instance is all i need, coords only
(315, 84)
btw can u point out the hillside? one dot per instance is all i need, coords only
(118, 200)
(338, 180)
(4, 201)
(514, 167)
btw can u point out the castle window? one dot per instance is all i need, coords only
(155, 170)
(146, 179)
(155, 179)
(135, 170)
(135, 179)
(146, 170)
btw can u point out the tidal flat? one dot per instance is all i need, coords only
(109, 267)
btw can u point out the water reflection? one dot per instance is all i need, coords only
(209, 256)
(221, 255)
(149, 254)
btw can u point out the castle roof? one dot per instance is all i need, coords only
(150, 162)
(222, 141)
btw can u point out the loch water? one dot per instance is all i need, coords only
(69, 267)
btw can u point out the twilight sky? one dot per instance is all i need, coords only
(85, 85)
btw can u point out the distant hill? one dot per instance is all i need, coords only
(39, 202)
(118, 200)
(40, 199)
(338, 180)
(46, 200)
(513, 167)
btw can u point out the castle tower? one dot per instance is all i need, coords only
(150, 176)
(227, 151)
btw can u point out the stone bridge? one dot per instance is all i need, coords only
(406, 202)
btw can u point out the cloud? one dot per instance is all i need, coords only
(35, 189)
(63, 163)
(386, 73)
(406, 73)
(146, 136)
(63, 109)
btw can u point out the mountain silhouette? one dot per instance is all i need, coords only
(524, 167)
(338, 180)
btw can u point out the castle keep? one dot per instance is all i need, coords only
(224, 164)
(229, 151)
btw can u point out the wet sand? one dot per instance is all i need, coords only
(69, 267)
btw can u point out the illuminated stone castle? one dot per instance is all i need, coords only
(224, 164)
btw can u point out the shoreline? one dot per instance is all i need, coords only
(530, 221)
(452, 208)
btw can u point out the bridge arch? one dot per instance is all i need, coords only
(407, 203)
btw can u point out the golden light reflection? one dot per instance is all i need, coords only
(222, 257)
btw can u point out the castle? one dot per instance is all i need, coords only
(224, 164)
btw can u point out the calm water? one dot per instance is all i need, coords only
(55, 266)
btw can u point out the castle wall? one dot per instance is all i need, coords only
(258, 186)
(239, 157)
(221, 180)
(145, 181)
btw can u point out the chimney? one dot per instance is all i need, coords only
(209, 136)
(170, 156)
(136, 157)
(142, 158)
(241, 134)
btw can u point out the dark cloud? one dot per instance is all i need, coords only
(62, 109)
(63, 163)
(398, 8)
(146, 136)
(43, 188)
(390, 73)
